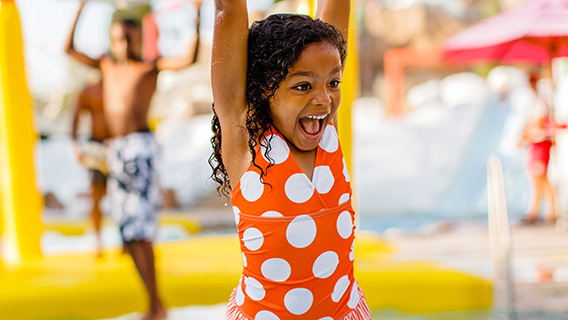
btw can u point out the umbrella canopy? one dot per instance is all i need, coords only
(535, 31)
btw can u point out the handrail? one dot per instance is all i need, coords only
(500, 241)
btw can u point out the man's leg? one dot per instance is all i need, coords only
(143, 255)
(97, 193)
(141, 184)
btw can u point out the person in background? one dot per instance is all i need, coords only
(92, 154)
(128, 84)
(538, 136)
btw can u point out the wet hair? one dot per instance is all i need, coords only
(274, 46)
(130, 23)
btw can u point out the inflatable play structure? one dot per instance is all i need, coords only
(200, 270)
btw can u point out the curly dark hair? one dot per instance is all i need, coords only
(274, 46)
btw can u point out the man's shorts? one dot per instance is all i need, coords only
(133, 190)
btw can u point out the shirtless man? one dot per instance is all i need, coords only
(92, 154)
(132, 188)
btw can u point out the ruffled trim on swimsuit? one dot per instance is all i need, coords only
(361, 312)
(233, 310)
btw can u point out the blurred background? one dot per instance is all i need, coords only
(423, 157)
(424, 126)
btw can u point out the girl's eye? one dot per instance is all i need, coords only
(302, 87)
(334, 83)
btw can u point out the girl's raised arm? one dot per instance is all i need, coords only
(228, 76)
(336, 13)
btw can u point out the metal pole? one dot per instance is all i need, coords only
(500, 241)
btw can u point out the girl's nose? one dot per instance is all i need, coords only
(322, 97)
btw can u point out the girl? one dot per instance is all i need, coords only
(276, 149)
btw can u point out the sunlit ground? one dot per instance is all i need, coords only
(217, 313)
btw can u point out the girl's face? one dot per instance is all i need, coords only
(307, 100)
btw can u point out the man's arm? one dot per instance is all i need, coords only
(70, 47)
(336, 13)
(191, 54)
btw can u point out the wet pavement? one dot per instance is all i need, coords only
(539, 260)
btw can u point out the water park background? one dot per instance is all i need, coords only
(419, 168)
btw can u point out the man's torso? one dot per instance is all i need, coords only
(127, 92)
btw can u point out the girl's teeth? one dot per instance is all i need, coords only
(316, 117)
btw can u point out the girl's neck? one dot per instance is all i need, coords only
(305, 159)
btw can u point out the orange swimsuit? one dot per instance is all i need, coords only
(297, 237)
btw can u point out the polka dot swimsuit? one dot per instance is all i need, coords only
(297, 237)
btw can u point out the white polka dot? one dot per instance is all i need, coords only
(323, 179)
(279, 150)
(298, 188)
(251, 186)
(237, 211)
(276, 269)
(244, 260)
(298, 301)
(240, 298)
(265, 315)
(254, 289)
(339, 289)
(325, 264)
(253, 239)
(345, 171)
(272, 214)
(301, 231)
(326, 318)
(344, 224)
(352, 253)
(354, 298)
(329, 141)
(344, 198)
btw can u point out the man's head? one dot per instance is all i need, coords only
(125, 40)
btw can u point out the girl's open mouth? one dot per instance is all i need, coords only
(312, 126)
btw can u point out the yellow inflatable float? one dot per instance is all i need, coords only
(204, 270)
(21, 202)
